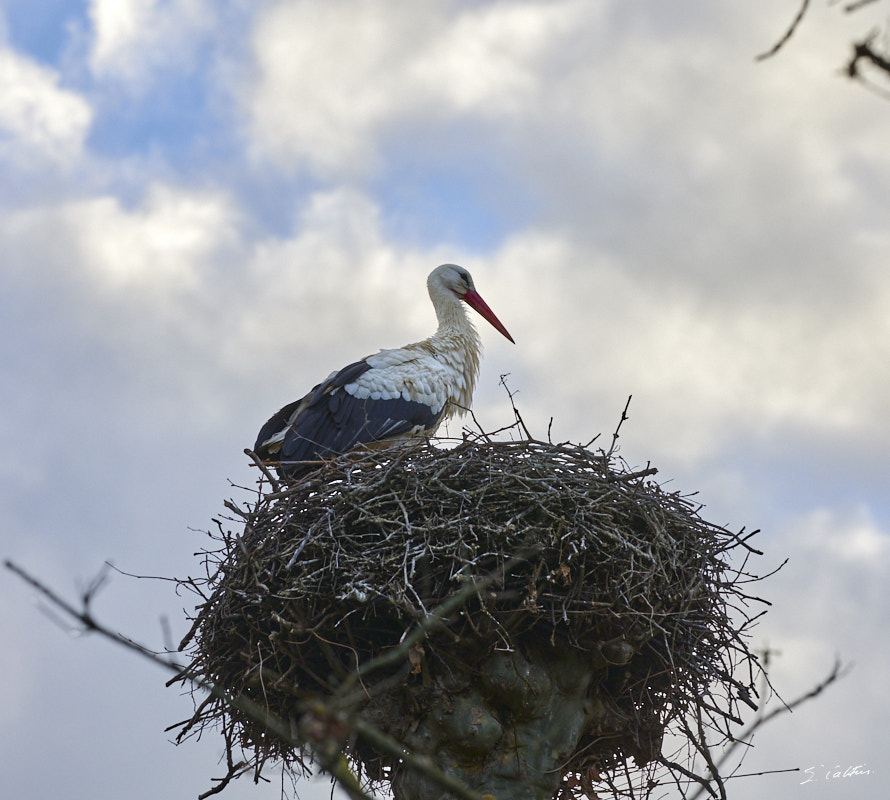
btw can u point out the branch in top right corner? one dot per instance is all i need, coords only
(857, 4)
(864, 51)
(788, 34)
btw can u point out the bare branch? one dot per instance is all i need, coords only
(315, 724)
(863, 51)
(858, 4)
(837, 672)
(263, 468)
(788, 34)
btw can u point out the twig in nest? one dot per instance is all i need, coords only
(263, 468)
(608, 454)
(233, 770)
(519, 420)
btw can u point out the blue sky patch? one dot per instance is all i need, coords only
(461, 196)
(43, 30)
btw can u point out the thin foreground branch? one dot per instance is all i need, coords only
(837, 672)
(319, 728)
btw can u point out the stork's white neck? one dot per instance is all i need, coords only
(457, 343)
(454, 322)
(450, 313)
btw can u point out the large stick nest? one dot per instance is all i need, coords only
(581, 555)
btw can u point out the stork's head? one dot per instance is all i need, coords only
(450, 278)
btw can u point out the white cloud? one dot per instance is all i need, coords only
(491, 60)
(703, 366)
(855, 538)
(179, 265)
(118, 24)
(132, 38)
(326, 89)
(42, 119)
(168, 240)
(323, 86)
(162, 248)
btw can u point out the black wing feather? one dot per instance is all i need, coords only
(329, 421)
(275, 424)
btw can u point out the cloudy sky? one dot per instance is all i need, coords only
(207, 206)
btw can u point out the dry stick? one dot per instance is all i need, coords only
(705, 784)
(702, 745)
(234, 770)
(516, 413)
(263, 468)
(333, 762)
(624, 418)
(629, 476)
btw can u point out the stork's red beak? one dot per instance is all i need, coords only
(472, 298)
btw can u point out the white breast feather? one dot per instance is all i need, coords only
(413, 374)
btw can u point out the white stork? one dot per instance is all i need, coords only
(391, 395)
